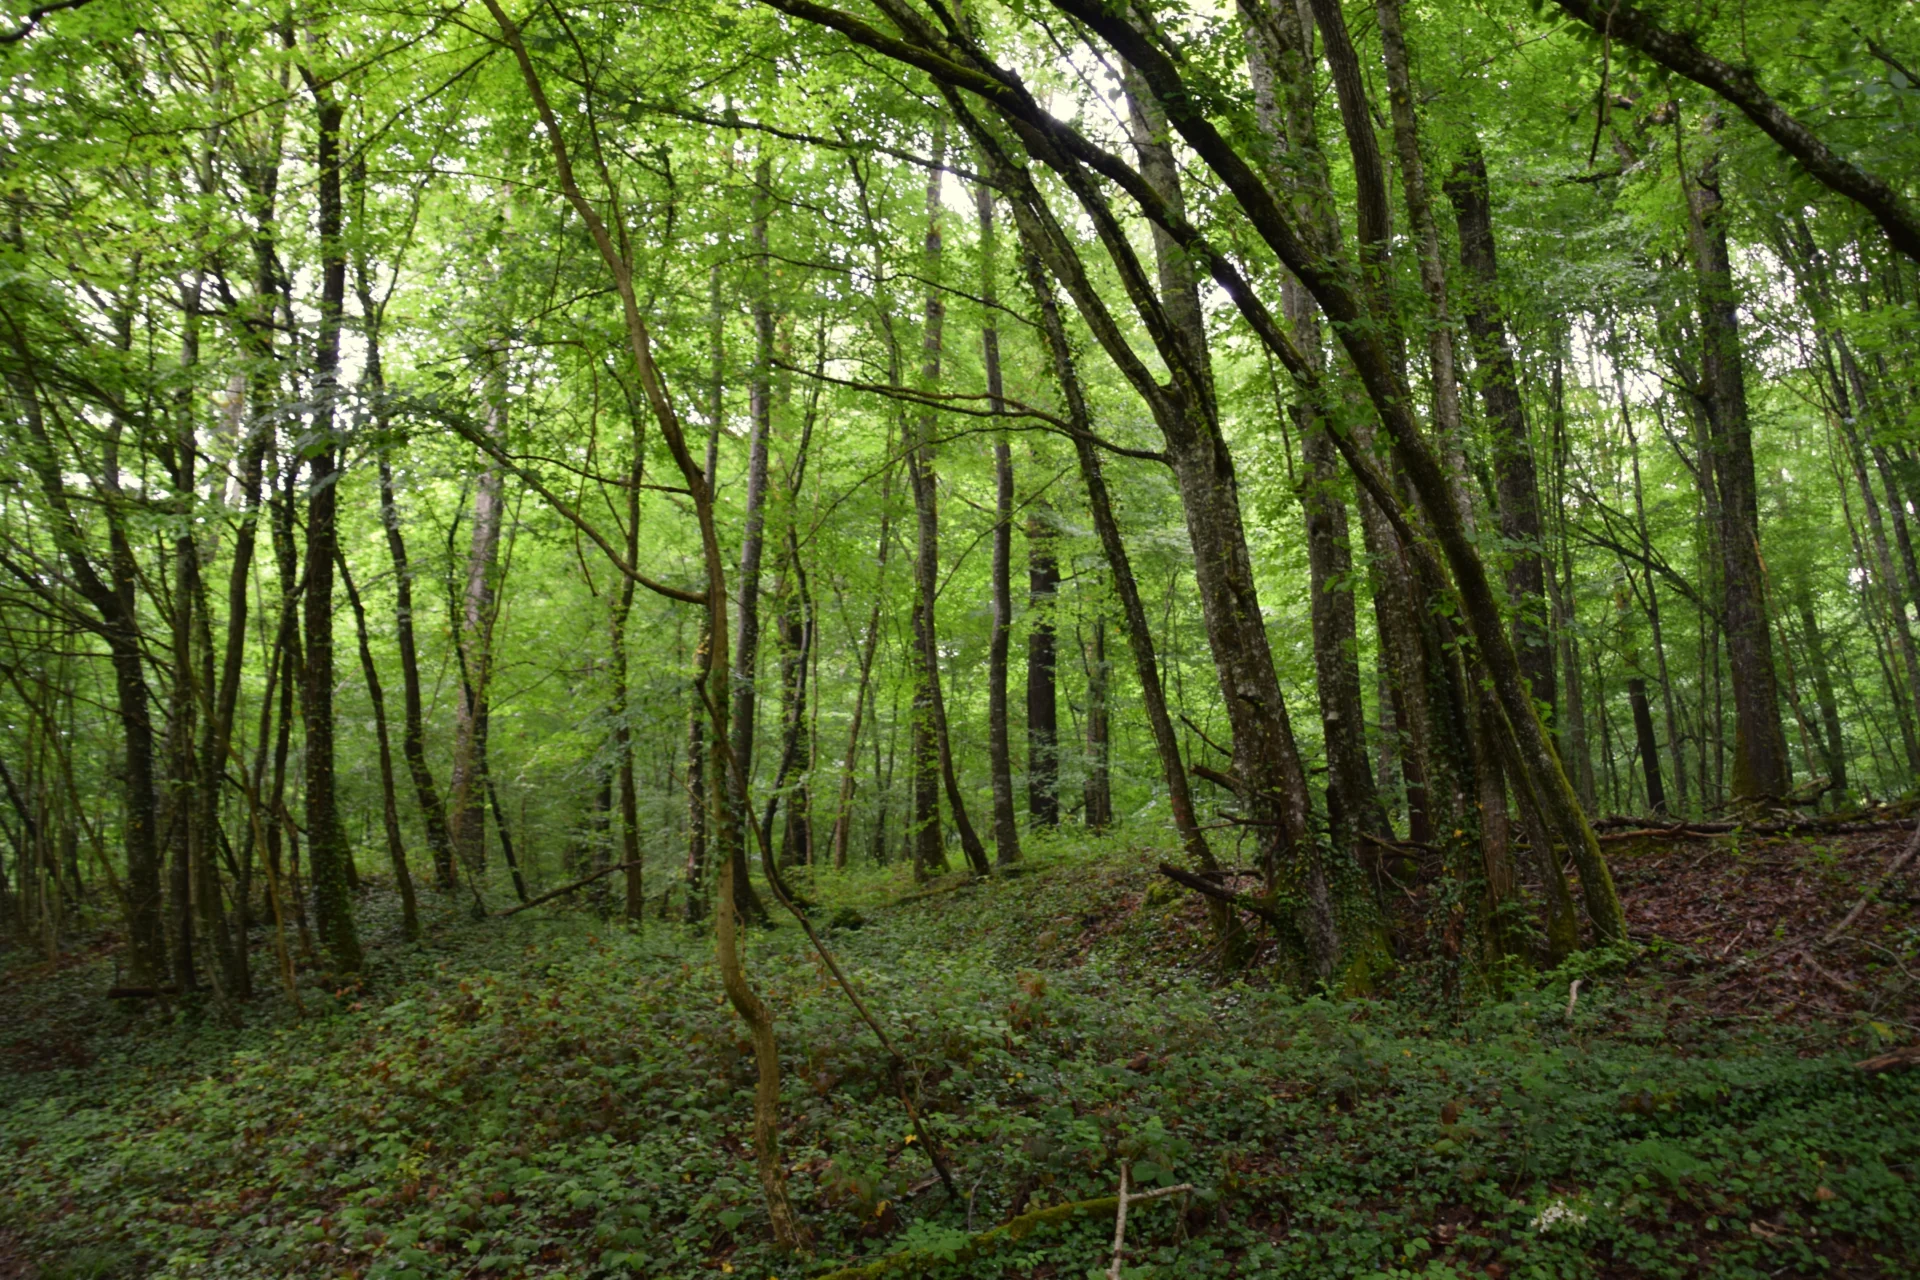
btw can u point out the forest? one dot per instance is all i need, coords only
(996, 638)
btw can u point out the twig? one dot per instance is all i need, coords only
(1119, 1227)
(1573, 995)
(1827, 973)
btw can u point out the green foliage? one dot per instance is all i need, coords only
(550, 1099)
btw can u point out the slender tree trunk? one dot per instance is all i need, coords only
(746, 658)
(1097, 794)
(697, 780)
(869, 646)
(413, 734)
(1266, 758)
(1649, 746)
(634, 882)
(1006, 823)
(389, 796)
(933, 745)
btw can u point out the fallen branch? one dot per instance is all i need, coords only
(1648, 829)
(1907, 1055)
(1894, 868)
(1188, 880)
(581, 883)
(919, 1261)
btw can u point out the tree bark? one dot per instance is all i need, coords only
(1833, 743)
(746, 657)
(1649, 746)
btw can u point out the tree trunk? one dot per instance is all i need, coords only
(389, 796)
(933, 745)
(1516, 485)
(1266, 758)
(1760, 766)
(1833, 744)
(1043, 724)
(475, 610)
(1133, 611)
(328, 855)
(1097, 792)
(746, 656)
(697, 780)
(1006, 823)
(1648, 745)
(634, 882)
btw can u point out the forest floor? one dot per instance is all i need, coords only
(551, 1095)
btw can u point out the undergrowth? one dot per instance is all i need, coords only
(564, 1097)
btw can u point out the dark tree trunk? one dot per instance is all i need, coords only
(635, 904)
(1043, 722)
(746, 657)
(1648, 745)
(697, 780)
(328, 855)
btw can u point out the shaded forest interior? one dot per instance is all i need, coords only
(669, 638)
